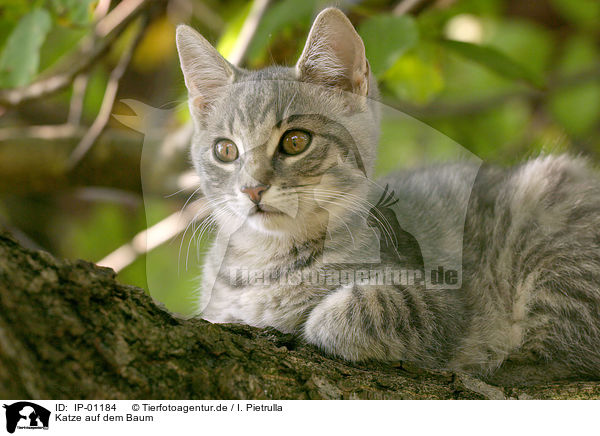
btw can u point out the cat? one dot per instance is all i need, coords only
(286, 157)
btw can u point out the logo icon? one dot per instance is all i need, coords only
(26, 415)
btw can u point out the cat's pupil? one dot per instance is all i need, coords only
(295, 141)
(226, 151)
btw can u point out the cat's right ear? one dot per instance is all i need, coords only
(334, 54)
(205, 71)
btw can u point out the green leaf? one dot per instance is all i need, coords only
(94, 92)
(415, 77)
(528, 43)
(577, 107)
(60, 41)
(10, 13)
(21, 56)
(386, 38)
(77, 12)
(282, 15)
(229, 38)
(494, 60)
(494, 133)
(583, 13)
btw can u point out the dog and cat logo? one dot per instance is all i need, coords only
(26, 415)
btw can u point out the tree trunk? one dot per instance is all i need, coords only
(69, 330)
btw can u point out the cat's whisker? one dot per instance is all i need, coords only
(386, 227)
(190, 197)
(192, 222)
(207, 223)
(328, 201)
(343, 222)
(385, 224)
(210, 204)
(287, 108)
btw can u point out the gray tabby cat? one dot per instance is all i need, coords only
(286, 158)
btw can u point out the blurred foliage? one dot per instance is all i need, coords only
(21, 55)
(72, 12)
(384, 48)
(505, 79)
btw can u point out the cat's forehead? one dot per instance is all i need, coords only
(247, 112)
(252, 110)
(259, 97)
(265, 98)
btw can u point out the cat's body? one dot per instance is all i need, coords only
(530, 240)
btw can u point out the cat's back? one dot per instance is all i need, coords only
(549, 194)
(530, 254)
(547, 198)
(531, 260)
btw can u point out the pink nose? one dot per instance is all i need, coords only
(255, 192)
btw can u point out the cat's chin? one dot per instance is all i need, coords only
(271, 222)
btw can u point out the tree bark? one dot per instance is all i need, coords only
(68, 330)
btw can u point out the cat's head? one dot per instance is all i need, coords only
(284, 150)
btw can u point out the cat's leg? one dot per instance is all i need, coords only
(383, 323)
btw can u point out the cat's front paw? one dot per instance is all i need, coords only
(340, 326)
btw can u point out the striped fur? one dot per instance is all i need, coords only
(530, 243)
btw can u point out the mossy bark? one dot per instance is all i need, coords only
(69, 330)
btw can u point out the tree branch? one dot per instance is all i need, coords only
(154, 236)
(248, 30)
(76, 105)
(69, 330)
(108, 101)
(106, 31)
(405, 6)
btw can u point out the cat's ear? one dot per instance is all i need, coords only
(334, 54)
(205, 71)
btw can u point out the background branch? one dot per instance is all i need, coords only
(154, 236)
(248, 30)
(106, 31)
(76, 104)
(405, 6)
(108, 101)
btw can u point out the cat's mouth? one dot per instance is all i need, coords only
(265, 210)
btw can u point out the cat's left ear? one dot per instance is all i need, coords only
(205, 71)
(334, 54)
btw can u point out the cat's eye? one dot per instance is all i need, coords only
(295, 141)
(225, 150)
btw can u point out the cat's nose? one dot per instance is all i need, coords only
(255, 192)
